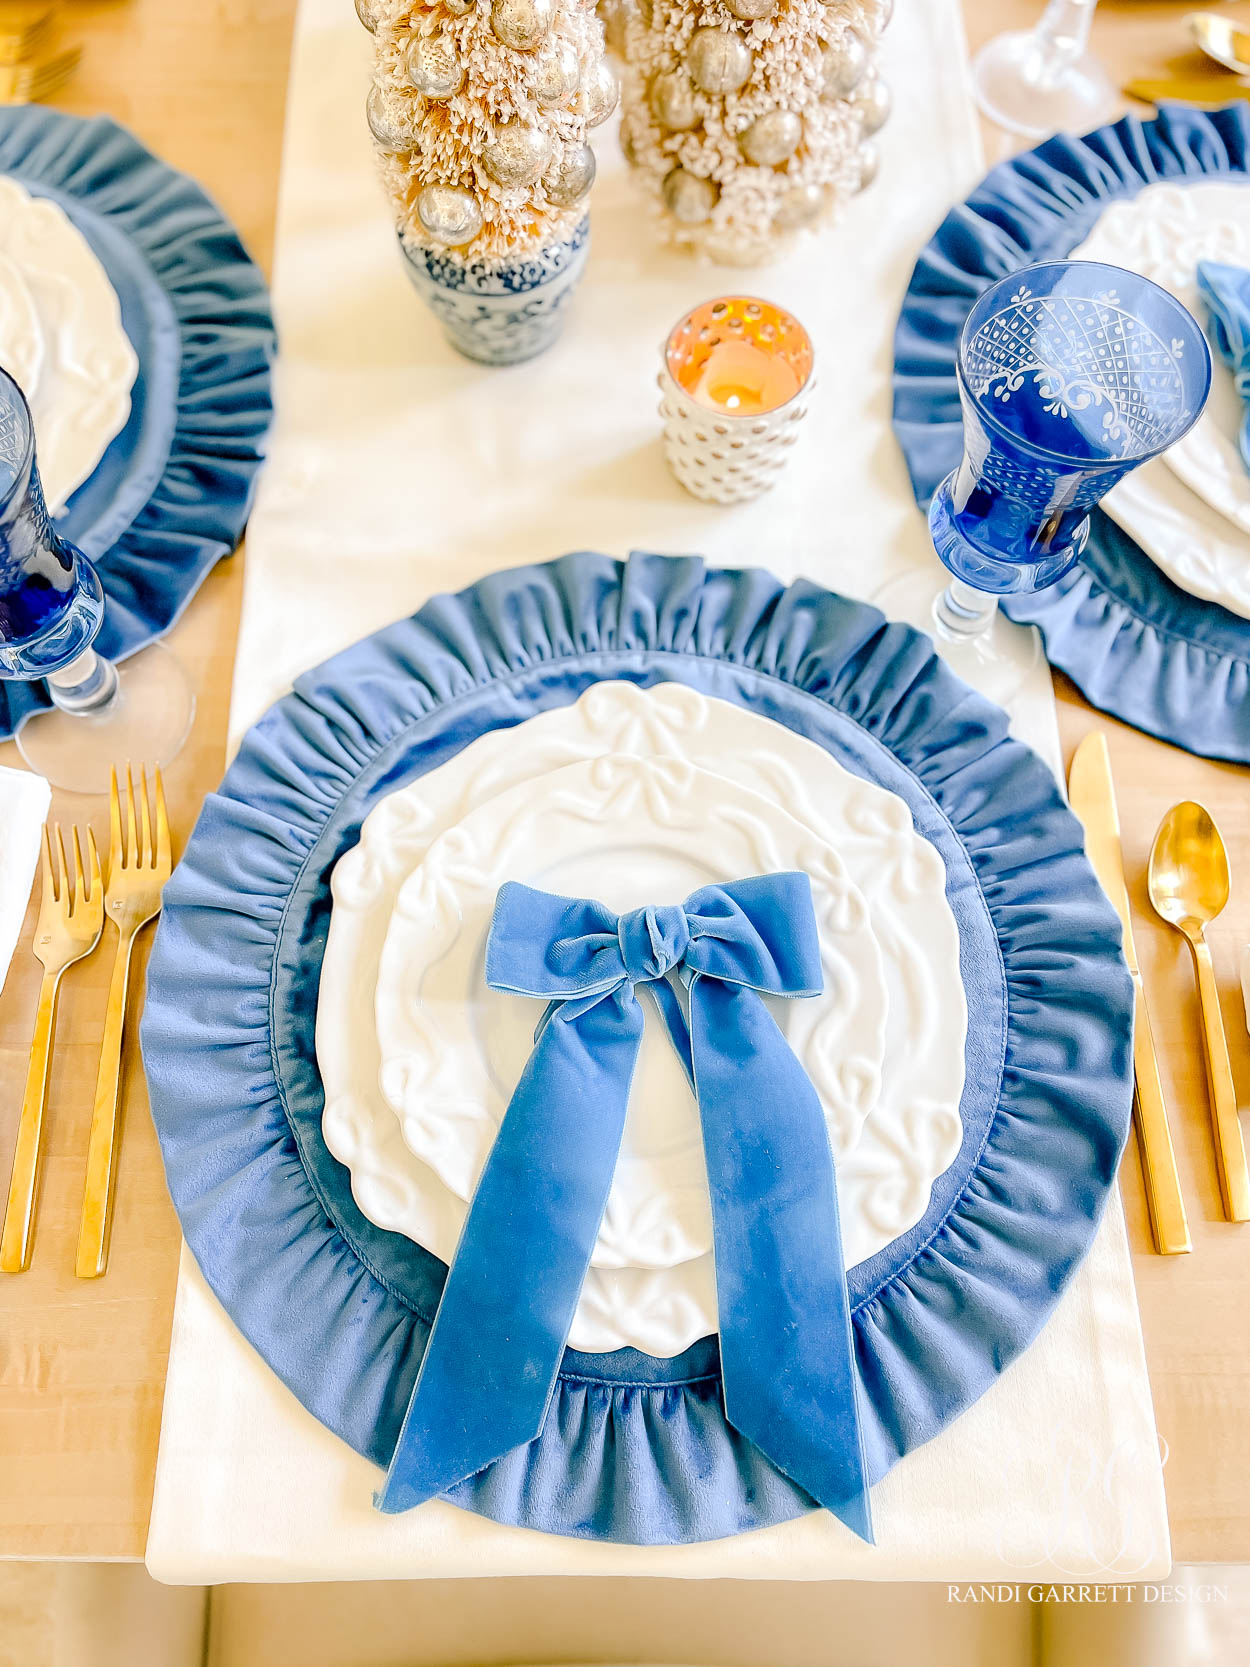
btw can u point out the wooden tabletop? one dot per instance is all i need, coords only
(82, 1364)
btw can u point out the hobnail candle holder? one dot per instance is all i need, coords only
(736, 379)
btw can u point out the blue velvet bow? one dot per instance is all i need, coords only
(785, 1332)
(1226, 291)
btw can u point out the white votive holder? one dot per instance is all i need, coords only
(735, 384)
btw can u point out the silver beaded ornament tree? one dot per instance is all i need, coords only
(480, 112)
(747, 120)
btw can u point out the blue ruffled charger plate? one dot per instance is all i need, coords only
(171, 494)
(1135, 644)
(635, 1448)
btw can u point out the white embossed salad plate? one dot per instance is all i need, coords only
(61, 338)
(627, 831)
(913, 1132)
(1204, 547)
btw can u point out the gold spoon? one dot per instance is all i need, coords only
(1221, 40)
(1189, 887)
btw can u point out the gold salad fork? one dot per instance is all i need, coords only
(28, 83)
(139, 865)
(71, 918)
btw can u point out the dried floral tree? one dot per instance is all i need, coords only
(480, 111)
(749, 119)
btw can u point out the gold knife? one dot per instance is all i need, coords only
(1189, 89)
(1091, 793)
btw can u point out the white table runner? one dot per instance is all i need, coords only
(398, 470)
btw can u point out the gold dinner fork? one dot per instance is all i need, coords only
(71, 918)
(28, 83)
(139, 865)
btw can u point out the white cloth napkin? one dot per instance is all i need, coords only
(24, 801)
(398, 470)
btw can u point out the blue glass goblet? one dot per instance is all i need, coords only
(1071, 374)
(51, 610)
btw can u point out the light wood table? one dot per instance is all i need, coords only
(82, 1363)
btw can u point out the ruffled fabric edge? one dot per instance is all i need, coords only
(197, 511)
(1137, 645)
(634, 1450)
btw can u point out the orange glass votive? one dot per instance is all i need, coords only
(736, 375)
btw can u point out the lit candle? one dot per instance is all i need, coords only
(736, 376)
(740, 377)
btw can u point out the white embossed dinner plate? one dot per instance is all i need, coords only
(1163, 233)
(913, 1132)
(1198, 548)
(61, 338)
(627, 831)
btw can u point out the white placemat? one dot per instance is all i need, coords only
(398, 470)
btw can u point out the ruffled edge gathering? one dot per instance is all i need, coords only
(1136, 645)
(1125, 660)
(220, 306)
(606, 1465)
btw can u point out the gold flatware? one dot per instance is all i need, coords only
(1189, 888)
(1091, 792)
(1188, 89)
(21, 41)
(1221, 40)
(27, 83)
(19, 15)
(25, 20)
(138, 867)
(71, 916)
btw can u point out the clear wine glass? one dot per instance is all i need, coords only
(51, 610)
(1071, 374)
(1045, 80)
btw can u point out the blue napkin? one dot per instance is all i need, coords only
(1226, 291)
(787, 1355)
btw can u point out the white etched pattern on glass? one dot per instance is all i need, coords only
(12, 445)
(14, 535)
(1071, 354)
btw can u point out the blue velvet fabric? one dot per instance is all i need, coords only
(1135, 644)
(787, 1361)
(635, 1448)
(1226, 292)
(172, 492)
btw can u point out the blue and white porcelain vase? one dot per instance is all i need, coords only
(500, 315)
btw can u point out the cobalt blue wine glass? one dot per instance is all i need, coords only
(51, 610)
(1071, 374)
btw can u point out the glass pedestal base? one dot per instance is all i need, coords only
(146, 722)
(996, 657)
(1019, 91)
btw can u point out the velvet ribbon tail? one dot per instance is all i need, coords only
(787, 1356)
(495, 1349)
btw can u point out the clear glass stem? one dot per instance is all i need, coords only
(962, 613)
(1061, 39)
(88, 684)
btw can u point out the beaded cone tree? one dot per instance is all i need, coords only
(750, 119)
(480, 112)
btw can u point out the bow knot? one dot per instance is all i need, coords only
(787, 1359)
(653, 941)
